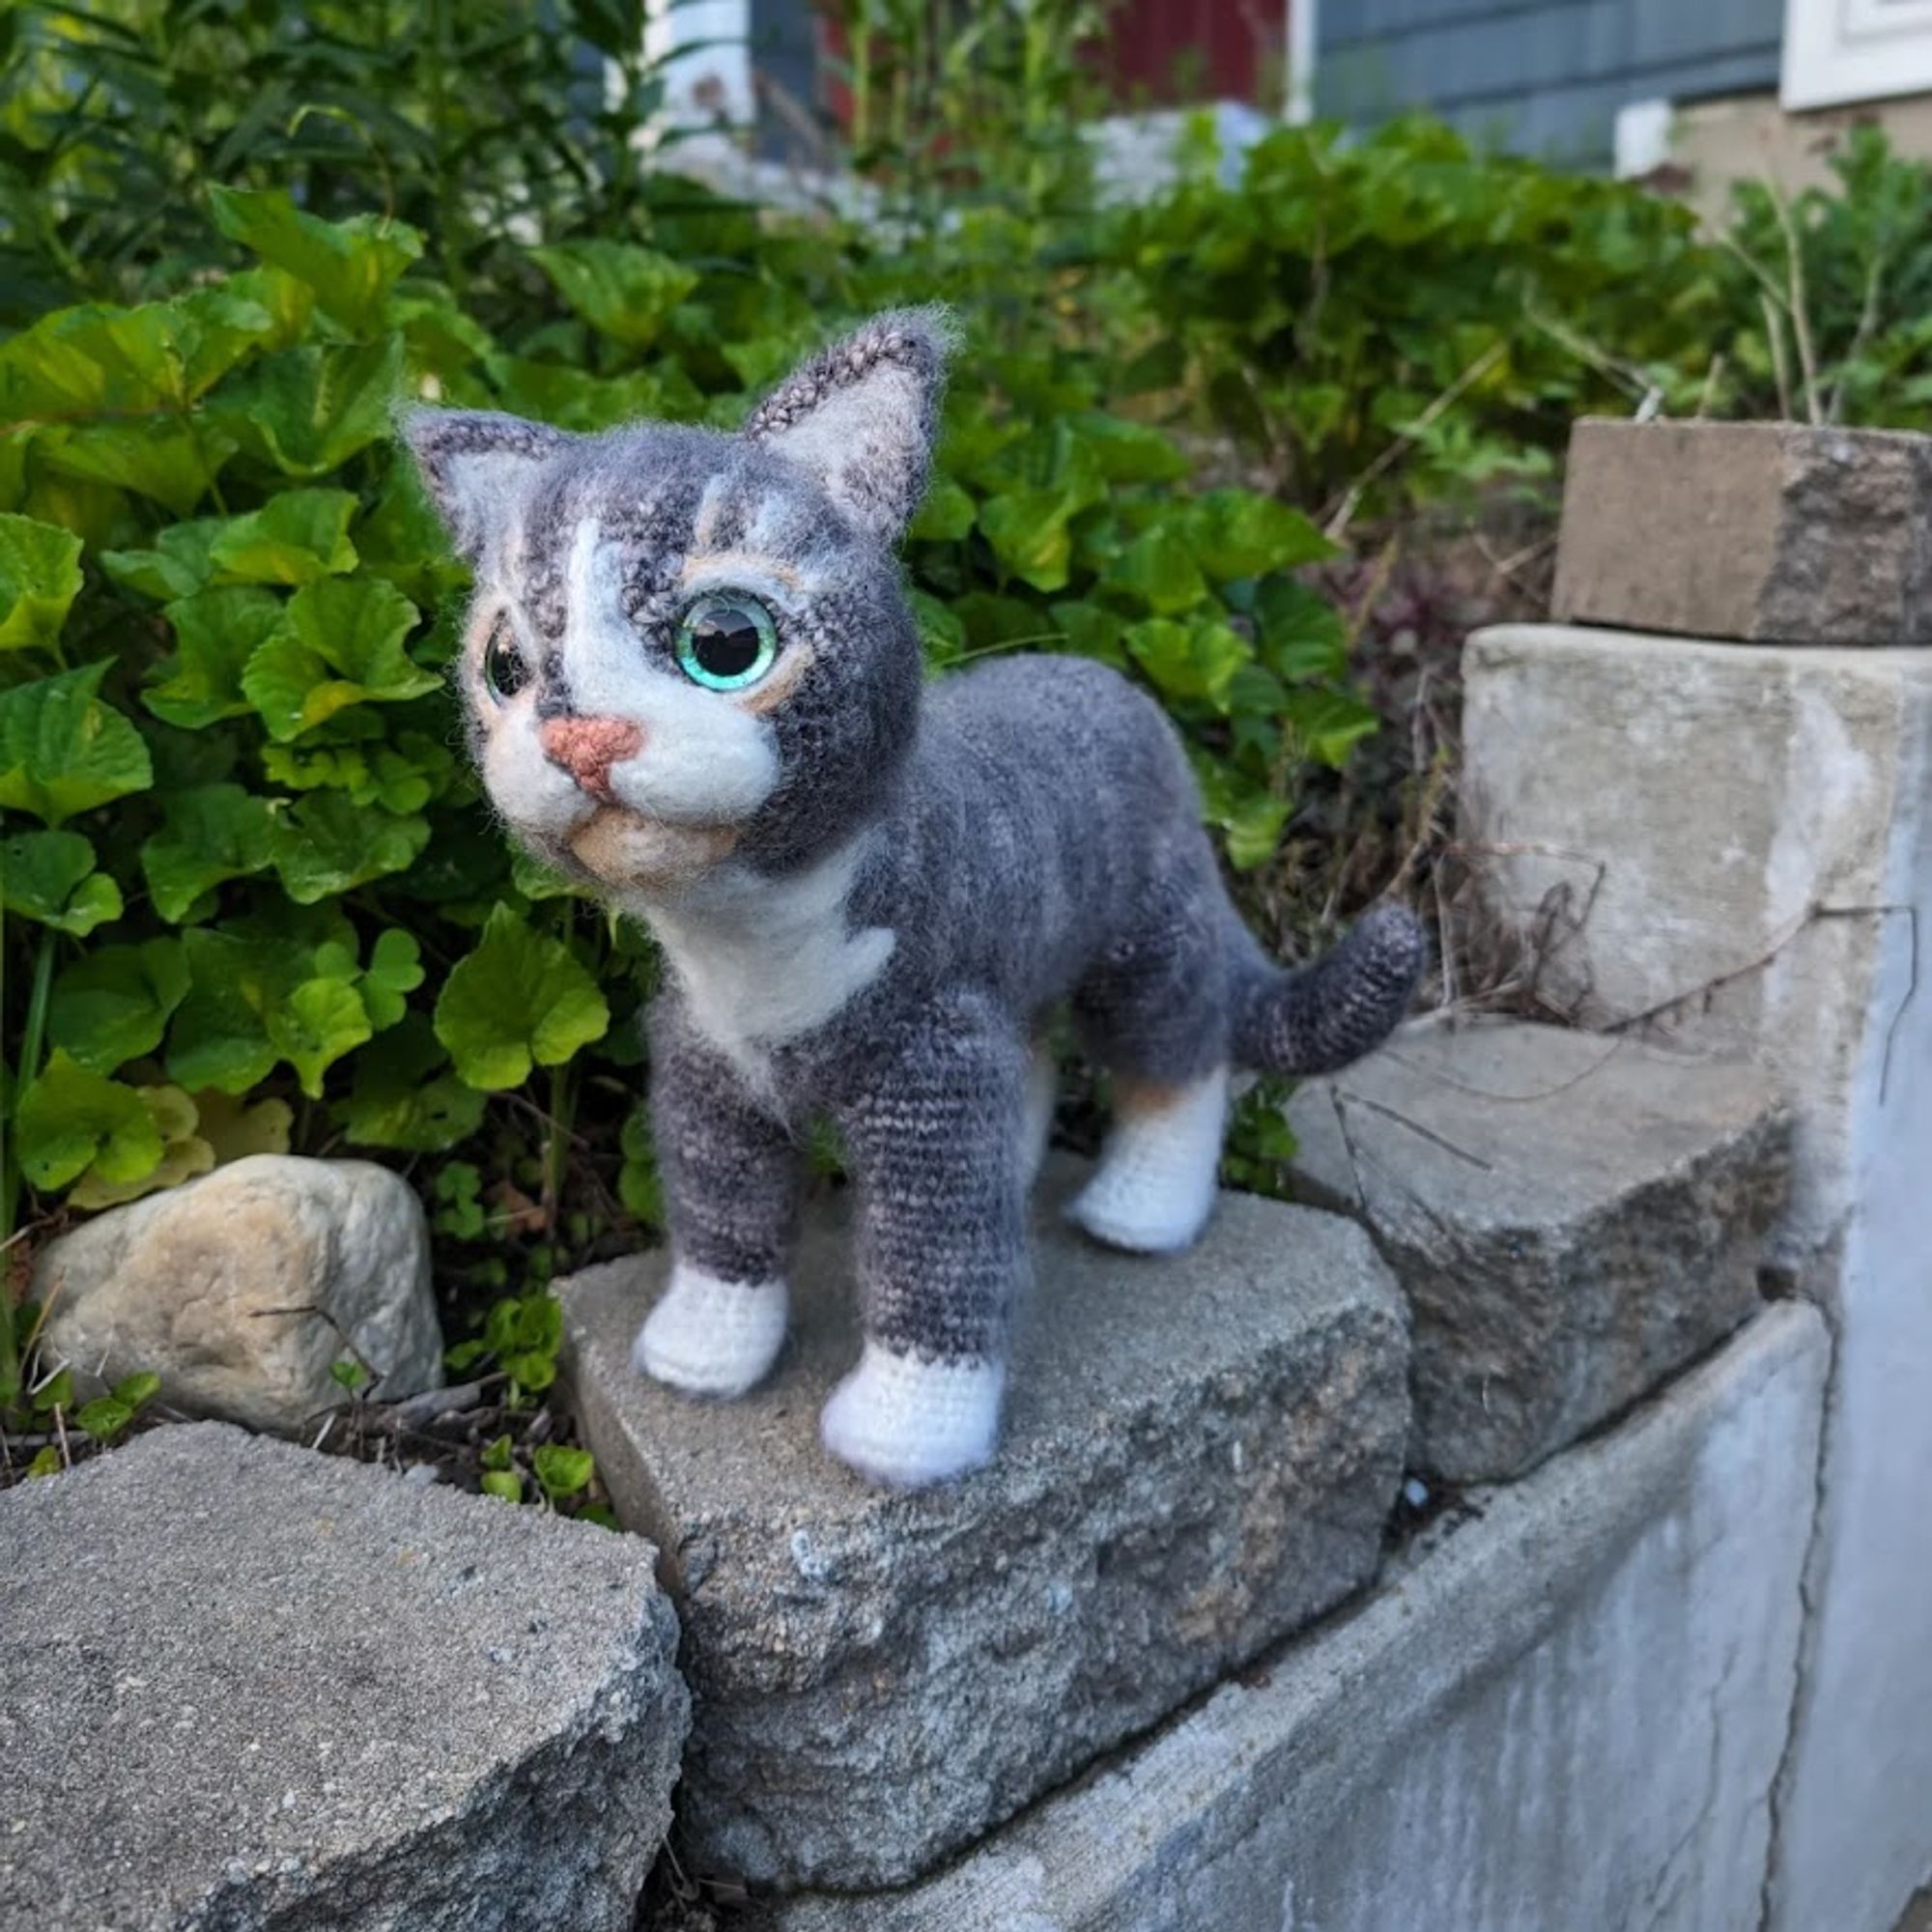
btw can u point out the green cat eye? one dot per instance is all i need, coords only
(727, 642)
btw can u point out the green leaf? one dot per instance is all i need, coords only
(1029, 534)
(219, 1033)
(350, 264)
(39, 578)
(1327, 724)
(637, 1184)
(1129, 452)
(47, 1462)
(295, 538)
(1195, 660)
(137, 1390)
(56, 1393)
(1157, 568)
(340, 642)
(105, 1418)
(562, 1471)
(1302, 636)
(349, 1373)
(519, 997)
(217, 632)
(1253, 831)
(946, 516)
(49, 876)
(622, 290)
(395, 971)
(500, 1452)
(401, 1099)
(172, 461)
(308, 411)
(1236, 533)
(63, 750)
(97, 360)
(319, 1022)
(70, 1119)
(503, 1484)
(403, 775)
(326, 845)
(112, 1005)
(210, 834)
(178, 566)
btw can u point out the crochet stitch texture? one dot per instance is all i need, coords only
(693, 681)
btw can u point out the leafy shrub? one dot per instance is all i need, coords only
(252, 868)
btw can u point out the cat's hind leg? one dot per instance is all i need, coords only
(932, 1129)
(731, 1179)
(1153, 1189)
(1153, 1012)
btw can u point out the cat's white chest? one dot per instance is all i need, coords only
(761, 963)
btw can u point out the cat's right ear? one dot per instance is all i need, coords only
(476, 465)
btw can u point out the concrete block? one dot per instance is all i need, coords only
(1573, 1220)
(1762, 532)
(1856, 1828)
(247, 1687)
(1565, 1711)
(1199, 1457)
(1701, 834)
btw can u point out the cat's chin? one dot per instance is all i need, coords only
(628, 851)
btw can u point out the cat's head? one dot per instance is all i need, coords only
(687, 646)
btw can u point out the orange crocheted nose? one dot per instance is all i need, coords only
(586, 748)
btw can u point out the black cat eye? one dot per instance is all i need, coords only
(727, 641)
(504, 669)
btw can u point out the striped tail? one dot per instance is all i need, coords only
(1345, 1005)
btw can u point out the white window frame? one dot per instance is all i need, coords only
(1842, 50)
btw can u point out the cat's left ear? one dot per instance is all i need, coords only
(477, 466)
(863, 415)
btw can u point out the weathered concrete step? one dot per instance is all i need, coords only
(249, 1687)
(1201, 1455)
(1573, 1219)
(1566, 1710)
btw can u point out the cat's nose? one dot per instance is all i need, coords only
(586, 748)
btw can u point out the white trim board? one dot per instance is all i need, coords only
(1840, 50)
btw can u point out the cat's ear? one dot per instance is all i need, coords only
(476, 465)
(863, 415)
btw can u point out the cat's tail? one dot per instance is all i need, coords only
(1345, 1003)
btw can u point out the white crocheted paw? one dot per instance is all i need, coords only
(712, 1337)
(1155, 1187)
(905, 1423)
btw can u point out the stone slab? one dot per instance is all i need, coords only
(1573, 1218)
(1670, 814)
(1200, 1456)
(1761, 532)
(1565, 1711)
(250, 1689)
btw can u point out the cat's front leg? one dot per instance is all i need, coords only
(731, 1175)
(933, 1135)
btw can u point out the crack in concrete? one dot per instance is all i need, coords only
(1776, 1796)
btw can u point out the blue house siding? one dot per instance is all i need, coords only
(1543, 77)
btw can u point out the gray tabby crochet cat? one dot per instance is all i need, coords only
(692, 680)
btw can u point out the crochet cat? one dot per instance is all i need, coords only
(693, 681)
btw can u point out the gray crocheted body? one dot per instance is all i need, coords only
(692, 680)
